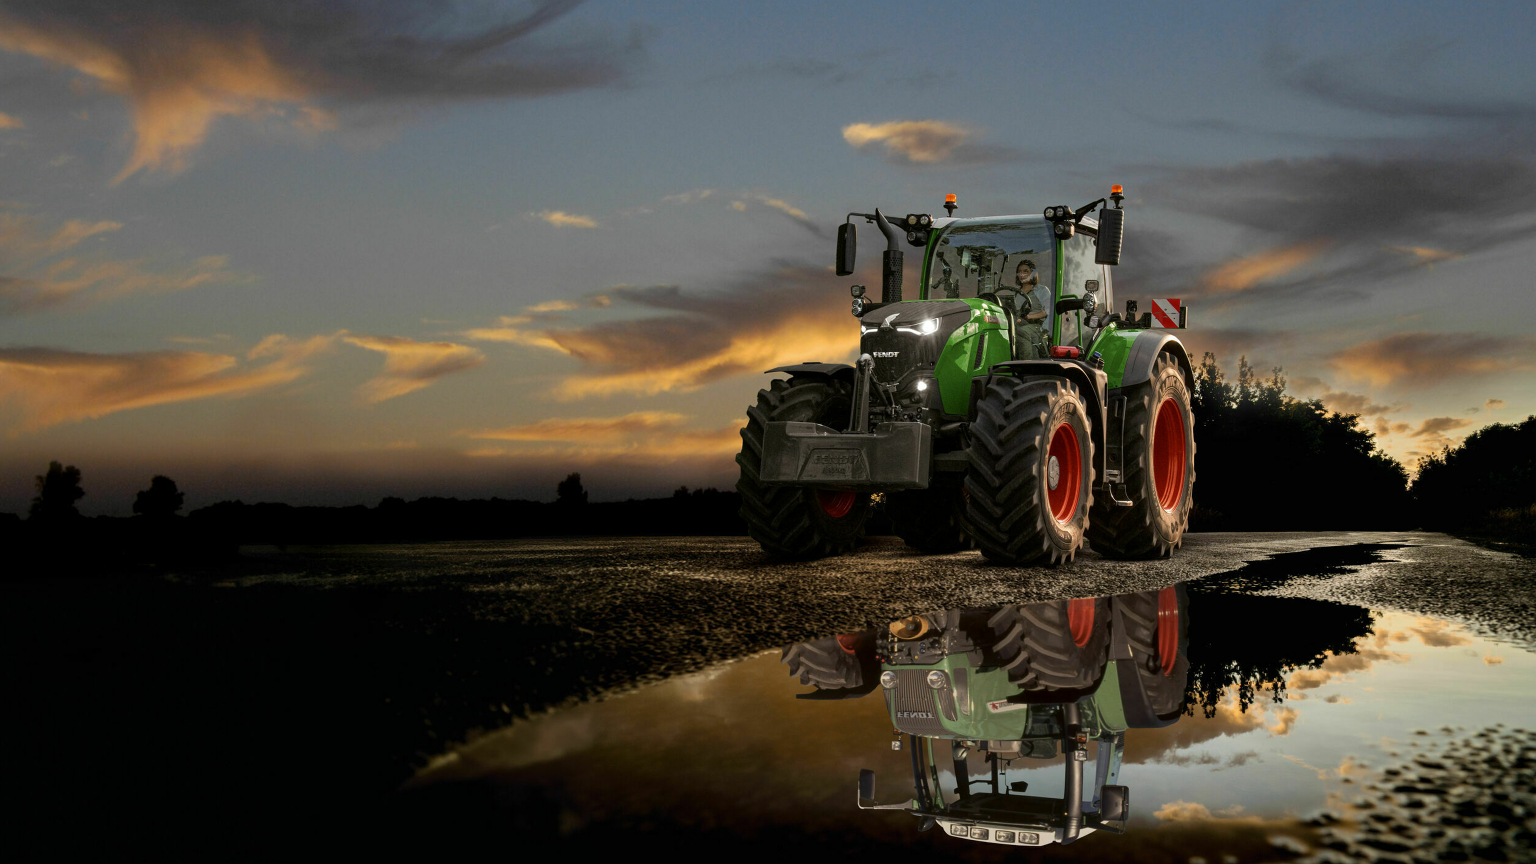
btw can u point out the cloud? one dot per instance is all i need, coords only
(692, 197)
(924, 142)
(1494, 404)
(1436, 427)
(1246, 272)
(1341, 222)
(1491, 660)
(1341, 402)
(648, 435)
(794, 213)
(562, 219)
(1429, 358)
(1182, 811)
(182, 64)
(35, 274)
(410, 365)
(552, 306)
(50, 386)
(785, 313)
(9, 122)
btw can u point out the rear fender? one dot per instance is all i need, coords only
(1143, 356)
(1090, 385)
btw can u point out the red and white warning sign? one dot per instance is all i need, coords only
(1168, 313)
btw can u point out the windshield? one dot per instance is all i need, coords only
(1008, 258)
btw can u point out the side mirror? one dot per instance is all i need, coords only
(1115, 803)
(847, 248)
(1111, 236)
(866, 785)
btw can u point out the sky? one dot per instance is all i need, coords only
(327, 252)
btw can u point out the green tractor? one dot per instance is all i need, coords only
(994, 408)
(1016, 686)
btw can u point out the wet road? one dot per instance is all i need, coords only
(318, 680)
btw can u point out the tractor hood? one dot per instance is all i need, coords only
(905, 336)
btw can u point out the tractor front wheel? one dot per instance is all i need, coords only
(1158, 458)
(1053, 647)
(793, 521)
(1030, 482)
(1157, 629)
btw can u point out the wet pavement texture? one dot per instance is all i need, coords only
(607, 695)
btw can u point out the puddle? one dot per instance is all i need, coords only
(1254, 728)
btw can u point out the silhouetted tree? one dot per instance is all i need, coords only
(1486, 485)
(161, 500)
(569, 491)
(57, 492)
(1268, 461)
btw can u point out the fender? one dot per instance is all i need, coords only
(1143, 353)
(1090, 385)
(829, 370)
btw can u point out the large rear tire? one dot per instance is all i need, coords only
(931, 520)
(1159, 470)
(1052, 647)
(1030, 482)
(1157, 628)
(793, 521)
(831, 663)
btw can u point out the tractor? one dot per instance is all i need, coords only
(1016, 686)
(1006, 405)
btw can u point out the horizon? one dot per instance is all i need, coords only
(325, 254)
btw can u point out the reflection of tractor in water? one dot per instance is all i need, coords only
(1004, 403)
(1027, 683)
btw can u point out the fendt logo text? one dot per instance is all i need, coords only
(834, 458)
(914, 715)
(887, 353)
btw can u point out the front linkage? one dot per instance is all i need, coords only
(991, 409)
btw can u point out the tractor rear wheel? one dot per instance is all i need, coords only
(1053, 646)
(1030, 482)
(931, 520)
(1158, 459)
(794, 521)
(1157, 628)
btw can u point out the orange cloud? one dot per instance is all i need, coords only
(9, 122)
(177, 93)
(921, 141)
(790, 341)
(1244, 273)
(562, 219)
(645, 435)
(1428, 358)
(51, 386)
(1424, 255)
(410, 365)
(34, 276)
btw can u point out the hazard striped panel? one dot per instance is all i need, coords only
(1168, 313)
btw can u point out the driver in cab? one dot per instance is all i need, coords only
(1030, 306)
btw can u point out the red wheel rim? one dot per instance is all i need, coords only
(836, 502)
(1065, 487)
(1080, 620)
(849, 642)
(1168, 629)
(1168, 454)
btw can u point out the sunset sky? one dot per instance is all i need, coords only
(323, 253)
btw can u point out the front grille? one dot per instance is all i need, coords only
(914, 699)
(895, 353)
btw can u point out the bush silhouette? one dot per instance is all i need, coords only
(1266, 461)
(161, 500)
(57, 492)
(569, 491)
(1485, 486)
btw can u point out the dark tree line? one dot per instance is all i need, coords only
(1486, 487)
(1265, 461)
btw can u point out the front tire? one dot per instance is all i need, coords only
(1030, 482)
(1157, 629)
(1159, 465)
(794, 521)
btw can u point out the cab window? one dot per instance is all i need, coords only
(1079, 276)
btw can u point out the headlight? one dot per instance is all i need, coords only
(888, 680)
(927, 327)
(1031, 839)
(937, 680)
(922, 385)
(959, 830)
(978, 833)
(858, 306)
(1003, 836)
